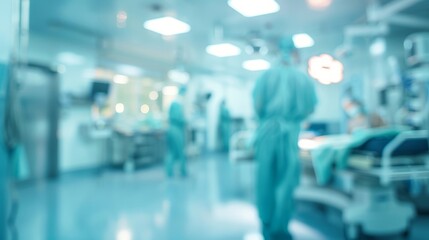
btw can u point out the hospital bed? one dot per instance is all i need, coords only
(364, 191)
(366, 194)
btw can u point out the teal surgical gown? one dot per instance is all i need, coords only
(224, 126)
(176, 139)
(283, 98)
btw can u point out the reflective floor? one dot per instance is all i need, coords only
(213, 203)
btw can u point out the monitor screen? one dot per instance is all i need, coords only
(99, 87)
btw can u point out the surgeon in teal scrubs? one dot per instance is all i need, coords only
(283, 97)
(224, 126)
(176, 136)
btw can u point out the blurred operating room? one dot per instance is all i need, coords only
(214, 119)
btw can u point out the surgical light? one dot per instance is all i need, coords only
(253, 8)
(179, 76)
(319, 4)
(303, 40)
(119, 107)
(326, 69)
(167, 26)
(256, 65)
(170, 90)
(223, 50)
(120, 79)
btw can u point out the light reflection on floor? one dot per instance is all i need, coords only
(214, 203)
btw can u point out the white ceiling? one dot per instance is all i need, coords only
(97, 19)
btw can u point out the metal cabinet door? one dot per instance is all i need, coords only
(38, 100)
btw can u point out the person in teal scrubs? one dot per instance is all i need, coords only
(224, 126)
(283, 97)
(176, 141)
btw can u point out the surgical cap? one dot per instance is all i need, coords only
(287, 47)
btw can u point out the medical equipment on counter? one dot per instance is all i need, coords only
(101, 112)
(369, 204)
(135, 148)
(415, 110)
(417, 79)
(98, 132)
(417, 49)
(415, 100)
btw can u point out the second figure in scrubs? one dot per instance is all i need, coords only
(176, 141)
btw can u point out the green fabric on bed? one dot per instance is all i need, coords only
(336, 150)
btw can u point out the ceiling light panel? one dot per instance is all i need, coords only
(256, 65)
(303, 40)
(223, 50)
(319, 4)
(253, 8)
(167, 26)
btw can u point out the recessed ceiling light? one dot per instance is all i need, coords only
(179, 76)
(256, 65)
(223, 50)
(319, 4)
(252, 8)
(303, 40)
(167, 26)
(120, 79)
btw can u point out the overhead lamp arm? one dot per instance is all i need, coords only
(366, 30)
(383, 13)
(409, 21)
